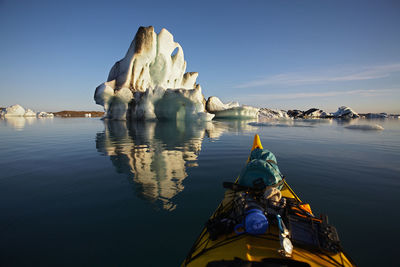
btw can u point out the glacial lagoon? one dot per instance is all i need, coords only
(83, 191)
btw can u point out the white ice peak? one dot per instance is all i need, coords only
(150, 62)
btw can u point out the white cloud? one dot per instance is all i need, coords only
(338, 75)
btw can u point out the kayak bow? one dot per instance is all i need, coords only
(306, 241)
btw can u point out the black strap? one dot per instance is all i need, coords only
(237, 187)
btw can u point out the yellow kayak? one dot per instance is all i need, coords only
(285, 231)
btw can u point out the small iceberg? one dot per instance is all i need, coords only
(43, 114)
(266, 113)
(231, 110)
(30, 113)
(365, 127)
(344, 112)
(382, 115)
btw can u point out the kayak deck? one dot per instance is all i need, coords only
(243, 249)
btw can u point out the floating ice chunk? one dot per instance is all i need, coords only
(214, 104)
(29, 113)
(232, 110)
(310, 114)
(345, 113)
(43, 114)
(13, 111)
(315, 113)
(365, 127)
(242, 112)
(382, 115)
(266, 113)
(295, 113)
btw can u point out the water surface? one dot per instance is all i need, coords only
(88, 192)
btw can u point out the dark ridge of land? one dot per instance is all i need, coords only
(71, 113)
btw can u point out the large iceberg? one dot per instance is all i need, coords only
(150, 82)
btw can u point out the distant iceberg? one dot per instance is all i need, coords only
(13, 111)
(30, 113)
(231, 110)
(344, 112)
(382, 115)
(214, 104)
(18, 111)
(150, 82)
(43, 114)
(308, 114)
(266, 113)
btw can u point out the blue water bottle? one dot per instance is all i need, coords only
(255, 222)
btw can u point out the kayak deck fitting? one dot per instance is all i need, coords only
(228, 239)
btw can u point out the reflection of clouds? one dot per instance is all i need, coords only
(156, 153)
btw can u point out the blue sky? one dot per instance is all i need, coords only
(279, 54)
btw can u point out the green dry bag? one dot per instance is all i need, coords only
(262, 164)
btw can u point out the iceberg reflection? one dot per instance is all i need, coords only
(156, 153)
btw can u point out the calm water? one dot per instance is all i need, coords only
(88, 192)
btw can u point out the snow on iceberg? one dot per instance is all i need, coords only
(148, 80)
(345, 113)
